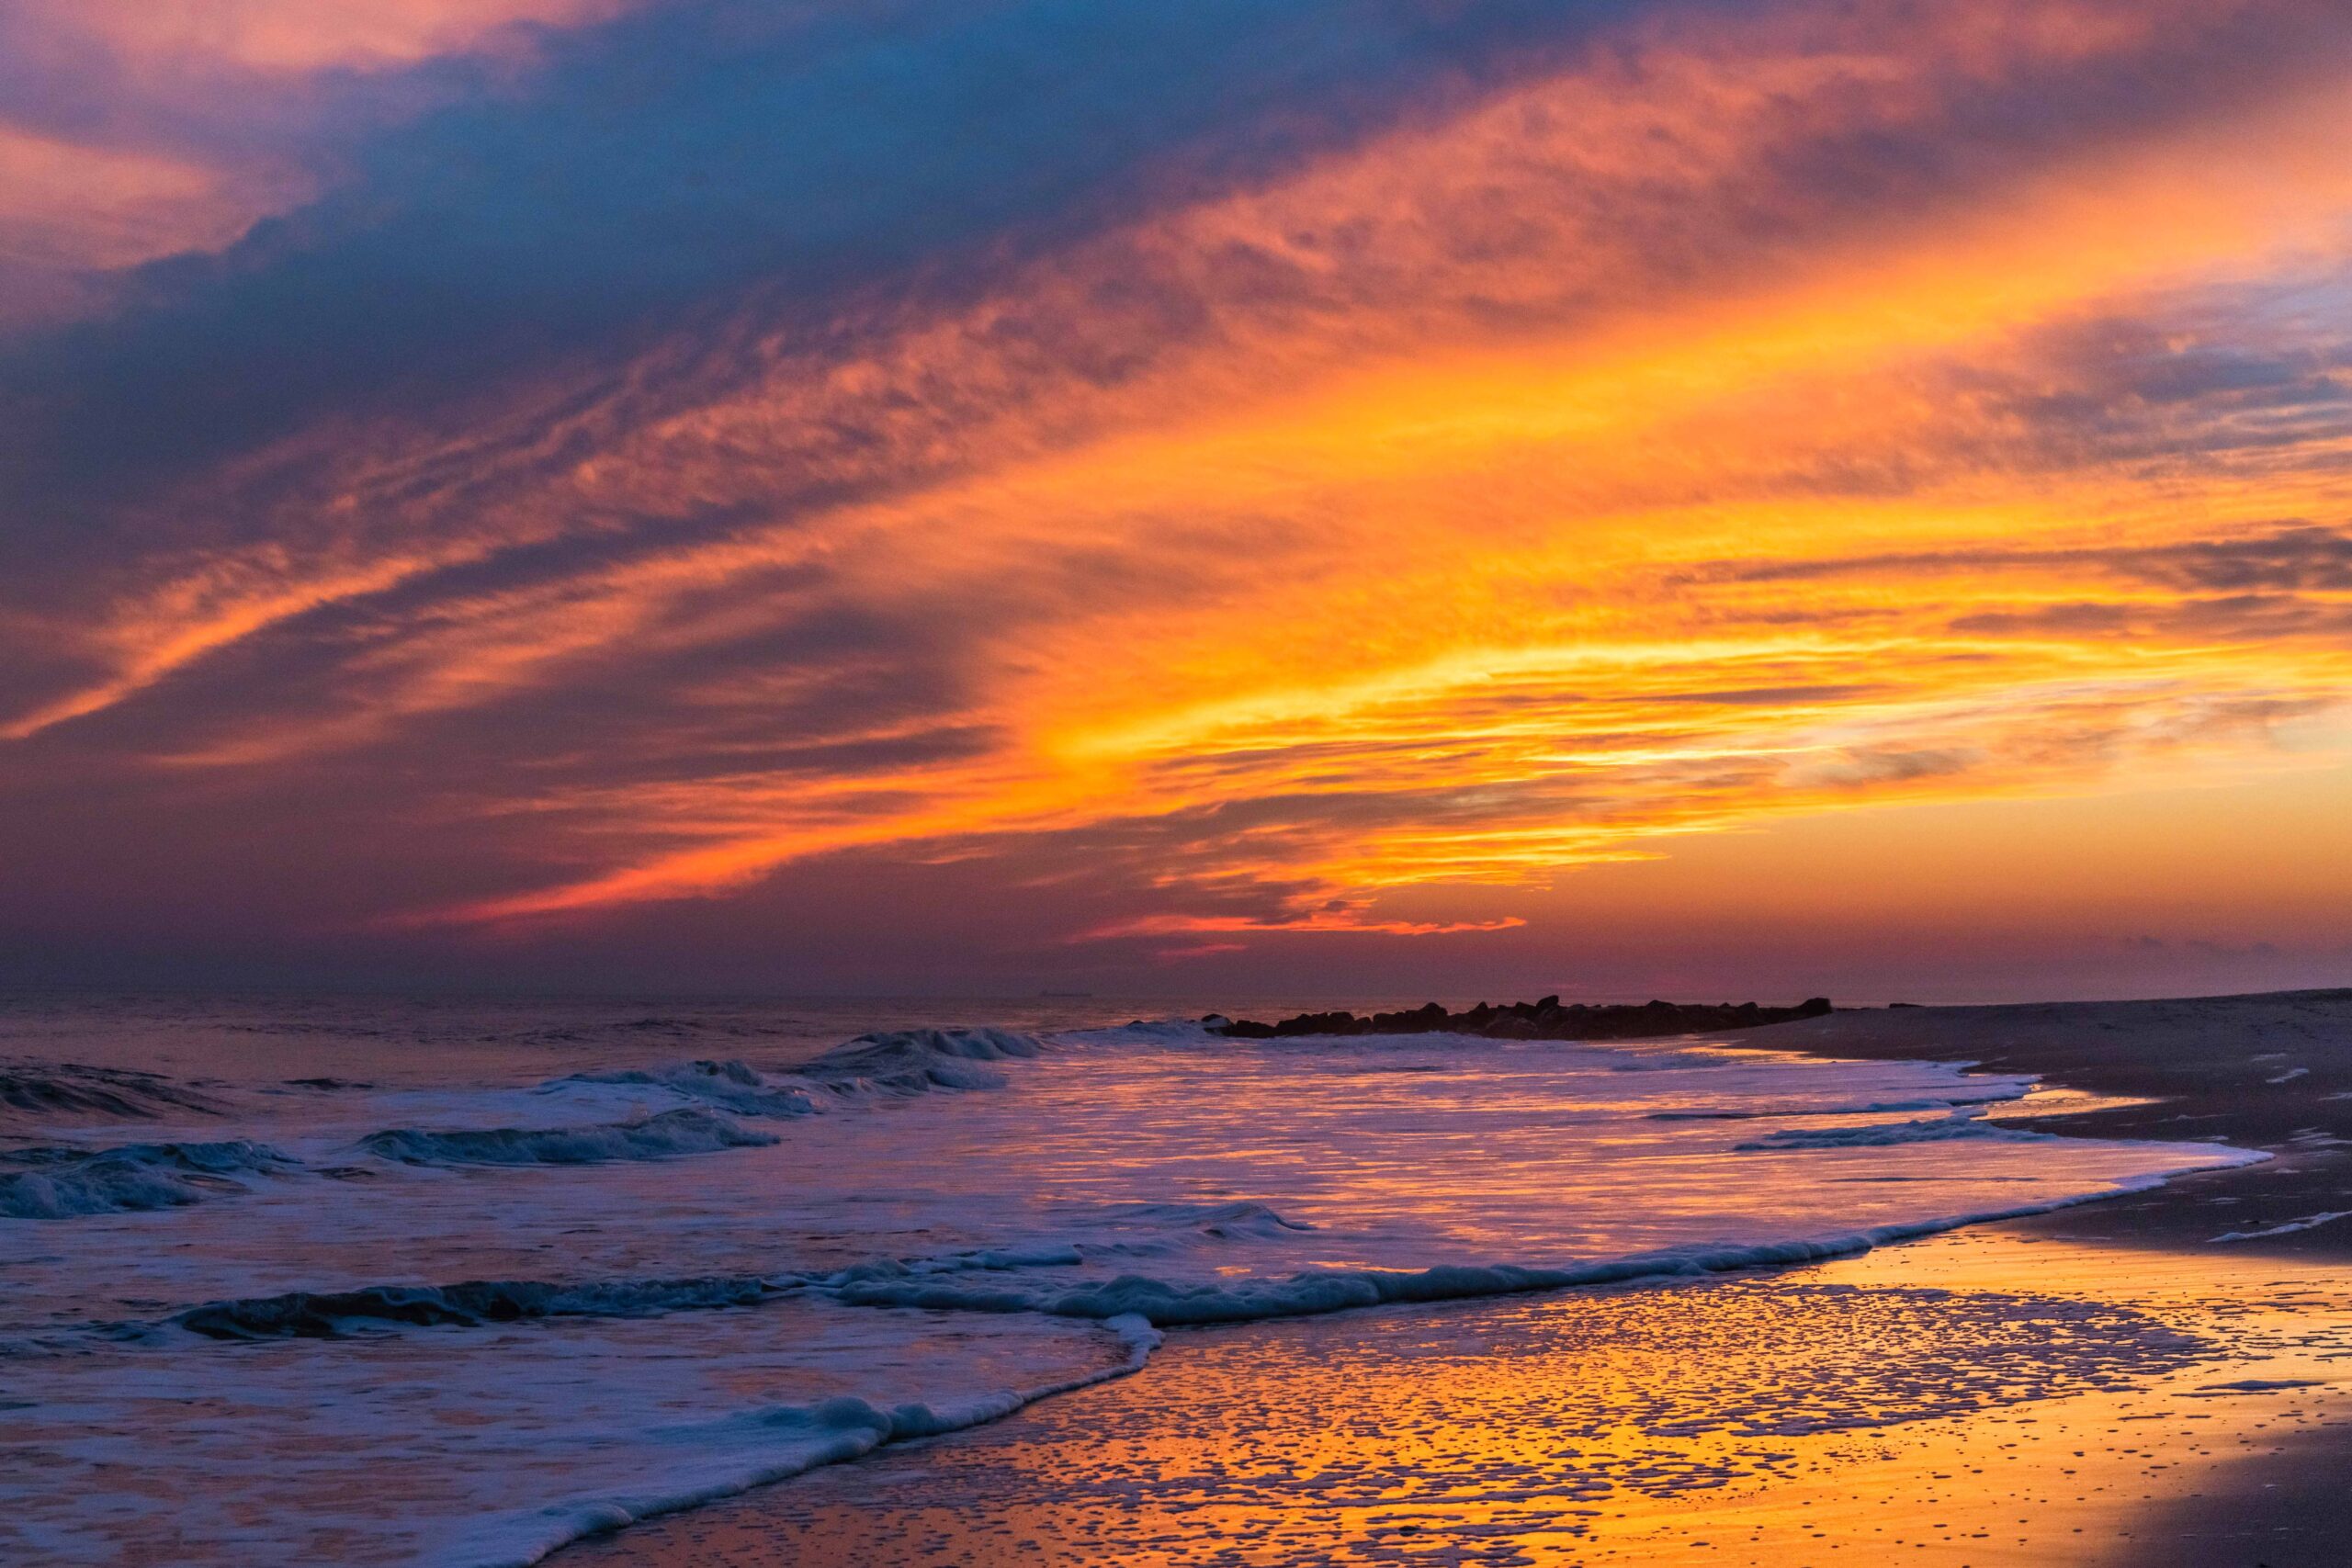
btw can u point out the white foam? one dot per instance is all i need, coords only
(2308, 1223)
(54, 1183)
(668, 1135)
(892, 1064)
(1312, 1293)
(1961, 1124)
(705, 1462)
(735, 1086)
(450, 1448)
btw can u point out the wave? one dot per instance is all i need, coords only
(473, 1304)
(894, 1064)
(687, 1464)
(663, 1137)
(327, 1314)
(1881, 1108)
(2291, 1227)
(1218, 1222)
(1942, 1129)
(734, 1454)
(732, 1086)
(60, 1183)
(1316, 1292)
(333, 1315)
(917, 1061)
(70, 1088)
(1020, 1277)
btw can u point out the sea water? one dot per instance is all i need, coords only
(370, 1281)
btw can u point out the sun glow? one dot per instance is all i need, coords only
(1663, 441)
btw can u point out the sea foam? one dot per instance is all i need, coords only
(51, 1183)
(1960, 1124)
(663, 1137)
(691, 1465)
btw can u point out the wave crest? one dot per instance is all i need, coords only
(916, 1061)
(893, 1064)
(730, 1085)
(1939, 1130)
(663, 1137)
(59, 1183)
(328, 1315)
(73, 1089)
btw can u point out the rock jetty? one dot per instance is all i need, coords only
(1546, 1020)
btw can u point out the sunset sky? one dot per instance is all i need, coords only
(1215, 496)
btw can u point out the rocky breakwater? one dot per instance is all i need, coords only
(1545, 1019)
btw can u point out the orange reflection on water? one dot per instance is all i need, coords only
(1924, 1401)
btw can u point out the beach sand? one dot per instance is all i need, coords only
(2265, 1072)
(2154, 1381)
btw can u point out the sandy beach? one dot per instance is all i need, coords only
(2267, 1072)
(2187, 1413)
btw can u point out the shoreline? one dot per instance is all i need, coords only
(2265, 1071)
(2270, 1072)
(2199, 1070)
(1980, 1398)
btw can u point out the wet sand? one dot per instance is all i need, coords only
(2265, 1072)
(2113, 1386)
(1922, 1401)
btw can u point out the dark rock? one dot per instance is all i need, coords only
(1545, 1019)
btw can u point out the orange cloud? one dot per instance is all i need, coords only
(166, 165)
(1390, 521)
(295, 34)
(70, 206)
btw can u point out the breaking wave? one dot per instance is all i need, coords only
(330, 1314)
(917, 1061)
(1035, 1278)
(1941, 1129)
(327, 1314)
(731, 1086)
(1312, 1292)
(732, 1454)
(663, 1137)
(59, 1183)
(1882, 1108)
(73, 1089)
(894, 1064)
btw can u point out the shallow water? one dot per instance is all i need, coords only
(485, 1279)
(1920, 1403)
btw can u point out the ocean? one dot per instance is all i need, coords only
(367, 1281)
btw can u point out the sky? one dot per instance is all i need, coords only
(1250, 497)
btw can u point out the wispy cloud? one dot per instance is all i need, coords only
(1270, 457)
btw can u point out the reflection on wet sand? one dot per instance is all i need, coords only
(1925, 1401)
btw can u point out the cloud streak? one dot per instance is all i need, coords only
(1393, 447)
